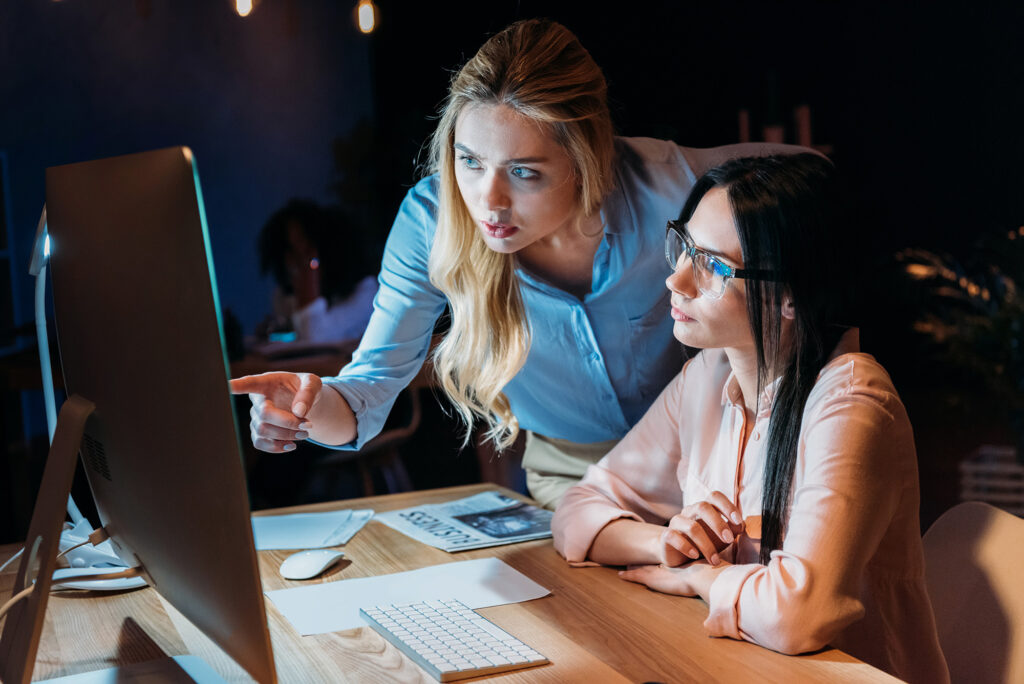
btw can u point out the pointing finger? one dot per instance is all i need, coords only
(250, 384)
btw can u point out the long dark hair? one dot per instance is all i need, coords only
(788, 214)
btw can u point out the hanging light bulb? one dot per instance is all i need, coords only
(243, 7)
(366, 16)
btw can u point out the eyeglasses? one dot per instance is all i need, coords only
(709, 272)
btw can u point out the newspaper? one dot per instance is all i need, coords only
(478, 521)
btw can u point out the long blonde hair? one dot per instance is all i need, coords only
(539, 69)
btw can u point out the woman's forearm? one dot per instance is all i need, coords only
(627, 542)
(333, 421)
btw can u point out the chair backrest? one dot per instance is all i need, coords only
(974, 556)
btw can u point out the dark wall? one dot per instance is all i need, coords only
(921, 102)
(258, 99)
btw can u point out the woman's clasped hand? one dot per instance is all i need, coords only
(701, 530)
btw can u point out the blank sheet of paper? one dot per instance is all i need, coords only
(307, 530)
(334, 606)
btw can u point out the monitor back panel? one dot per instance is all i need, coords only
(140, 335)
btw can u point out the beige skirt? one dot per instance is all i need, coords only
(553, 465)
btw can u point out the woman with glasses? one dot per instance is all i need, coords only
(775, 477)
(540, 231)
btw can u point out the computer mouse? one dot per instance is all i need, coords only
(308, 564)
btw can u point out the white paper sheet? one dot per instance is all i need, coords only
(333, 606)
(307, 530)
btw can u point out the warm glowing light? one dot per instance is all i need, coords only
(920, 271)
(366, 16)
(243, 7)
(1021, 230)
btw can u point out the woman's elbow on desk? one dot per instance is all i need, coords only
(790, 618)
(792, 639)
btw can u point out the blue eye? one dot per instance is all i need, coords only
(469, 162)
(523, 173)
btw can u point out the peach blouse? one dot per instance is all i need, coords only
(850, 572)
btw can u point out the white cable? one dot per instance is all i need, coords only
(123, 574)
(11, 560)
(130, 572)
(78, 545)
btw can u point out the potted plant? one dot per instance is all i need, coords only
(971, 315)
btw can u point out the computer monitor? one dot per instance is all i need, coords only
(140, 336)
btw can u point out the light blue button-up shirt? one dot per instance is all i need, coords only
(595, 365)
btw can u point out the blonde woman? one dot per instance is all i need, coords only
(543, 234)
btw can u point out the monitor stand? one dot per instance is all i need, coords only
(24, 623)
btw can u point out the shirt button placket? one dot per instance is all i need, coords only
(587, 344)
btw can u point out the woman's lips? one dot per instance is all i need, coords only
(678, 315)
(499, 230)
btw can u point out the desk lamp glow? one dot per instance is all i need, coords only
(72, 541)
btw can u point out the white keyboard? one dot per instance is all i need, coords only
(449, 640)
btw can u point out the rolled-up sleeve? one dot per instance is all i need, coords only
(637, 480)
(856, 460)
(405, 310)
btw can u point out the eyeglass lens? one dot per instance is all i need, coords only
(708, 272)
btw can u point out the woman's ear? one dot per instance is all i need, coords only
(787, 308)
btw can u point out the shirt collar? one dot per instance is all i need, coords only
(732, 395)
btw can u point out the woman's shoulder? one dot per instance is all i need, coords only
(424, 194)
(648, 150)
(855, 376)
(418, 211)
(652, 161)
(652, 179)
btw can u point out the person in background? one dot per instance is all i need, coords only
(541, 232)
(325, 277)
(775, 477)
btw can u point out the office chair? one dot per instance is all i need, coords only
(974, 555)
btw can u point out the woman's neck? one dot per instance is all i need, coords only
(744, 367)
(566, 260)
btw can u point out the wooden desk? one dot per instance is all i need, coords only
(594, 627)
